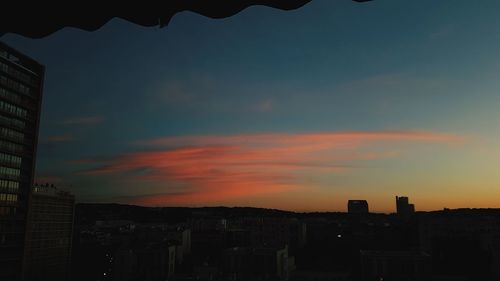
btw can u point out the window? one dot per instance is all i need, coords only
(9, 186)
(11, 134)
(8, 198)
(16, 73)
(4, 93)
(6, 171)
(12, 109)
(10, 159)
(12, 122)
(12, 147)
(15, 85)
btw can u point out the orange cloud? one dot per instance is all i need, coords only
(223, 167)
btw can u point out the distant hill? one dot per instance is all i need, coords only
(88, 213)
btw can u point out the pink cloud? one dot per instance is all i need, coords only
(220, 167)
(324, 139)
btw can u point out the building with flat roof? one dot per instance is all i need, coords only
(21, 83)
(357, 207)
(403, 206)
(49, 234)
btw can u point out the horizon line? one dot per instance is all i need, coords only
(282, 210)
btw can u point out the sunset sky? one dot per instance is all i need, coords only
(297, 110)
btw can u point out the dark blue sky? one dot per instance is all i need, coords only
(330, 66)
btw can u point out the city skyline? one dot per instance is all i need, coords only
(299, 110)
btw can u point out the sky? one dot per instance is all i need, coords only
(298, 110)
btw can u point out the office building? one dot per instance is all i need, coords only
(357, 207)
(21, 83)
(403, 207)
(50, 231)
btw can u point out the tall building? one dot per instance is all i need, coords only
(403, 208)
(357, 207)
(49, 234)
(21, 83)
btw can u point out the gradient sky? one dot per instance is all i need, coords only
(297, 110)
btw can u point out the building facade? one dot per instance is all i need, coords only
(357, 207)
(403, 206)
(50, 231)
(21, 83)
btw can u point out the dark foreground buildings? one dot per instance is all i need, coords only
(395, 265)
(49, 234)
(122, 242)
(21, 83)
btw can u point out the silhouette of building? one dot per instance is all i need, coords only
(262, 263)
(49, 234)
(21, 83)
(403, 208)
(154, 261)
(462, 243)
(395, 265)
(357, 207)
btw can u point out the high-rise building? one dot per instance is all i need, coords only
(21, 83)
(403, 208)
(357, 207)
(49, 234)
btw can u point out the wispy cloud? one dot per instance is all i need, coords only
(220, 167)
(324, 139)
(264, 106)
(58, 139)
(89, 120)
